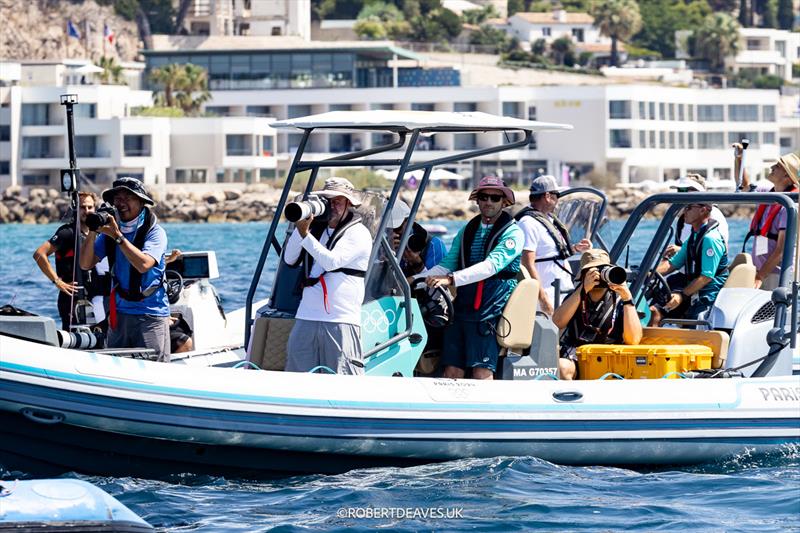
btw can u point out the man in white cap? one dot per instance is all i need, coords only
(693, 183)
(482, 264)
(769, 222)
(547, 244)
(136, 246)
(423, 250)
(334, 255)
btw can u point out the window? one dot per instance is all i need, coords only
(672, 111)
(513, 109)
(642, 110)
(465, 107)
(709, 113)
(267, 146)
(465, 141)
(35, 179)
(690, 109)
(577, 34)
(237, 145)
(769, 137)
(709, 140)
(662, 115)
(742, 113)
(258, 111)
(681, 139)
(620, 138)
(36, 148)
(690, 140)
(86, 146)
(422, 107)
(736, 136)
(780, 47)
(786, 142)
(190, 175)
(681, 116)
(652, 108)
(295, 111)
(5, 133)
(619, 109)
(219, 110)
(136, 145)
(545, 32)
(642, 139)
(652, 139)
(5, 168)
(768, 113)
(662, 139)
(532, 116)
(348, 107)
(85, 111)
(35, 114)
(340, 142)
(753, 44)
(672, 140)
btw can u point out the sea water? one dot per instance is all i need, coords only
(495, 494)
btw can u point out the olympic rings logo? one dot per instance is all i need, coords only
(377, 320)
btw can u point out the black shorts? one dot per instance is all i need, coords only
(179, 333)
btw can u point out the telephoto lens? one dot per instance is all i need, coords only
(613, 274)
(101, 217)
(314, 206)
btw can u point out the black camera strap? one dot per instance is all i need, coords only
(308, 261)
(134, 292)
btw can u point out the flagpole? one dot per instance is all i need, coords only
(104, 38)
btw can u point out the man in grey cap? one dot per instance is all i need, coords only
(547, 245)
(135, 245)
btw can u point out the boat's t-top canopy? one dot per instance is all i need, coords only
(407, 121)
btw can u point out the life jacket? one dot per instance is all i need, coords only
(556, 230)
(92, 281)
(134, 292)
(694, 253)
(592, 323)
(317, 229)
(485, 299)
(763, 230)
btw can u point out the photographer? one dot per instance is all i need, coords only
(333, 253)
(423, 251)
(62, 244)
(597, 312)
(135, 247)
(704, 258)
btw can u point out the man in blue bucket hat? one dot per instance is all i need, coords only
(135, 245)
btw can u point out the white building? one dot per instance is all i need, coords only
(530, 27)
(111, 141)
(767, 51)
(249, 17)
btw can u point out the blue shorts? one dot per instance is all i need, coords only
(469, 345)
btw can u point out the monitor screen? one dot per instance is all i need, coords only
(195, 266)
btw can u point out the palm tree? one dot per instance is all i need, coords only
(170, 79)
(193, 89)
(618, 19)
(112, 72)
(717, 39)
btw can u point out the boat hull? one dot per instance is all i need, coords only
(63, 410)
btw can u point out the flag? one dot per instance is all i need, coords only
(72, 30)
(108, 34)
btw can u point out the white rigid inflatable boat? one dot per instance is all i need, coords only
(63, 409)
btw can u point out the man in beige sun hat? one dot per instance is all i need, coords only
(333, 254)
(768, 226)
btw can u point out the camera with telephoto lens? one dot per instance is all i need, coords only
(101, 217)
(314, 206)
(418, 239)
(611, 275)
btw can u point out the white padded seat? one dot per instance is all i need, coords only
(742, 273)
(515, 328)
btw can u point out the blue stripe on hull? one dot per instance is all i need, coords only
(186, 417)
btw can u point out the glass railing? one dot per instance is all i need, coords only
(135, 153)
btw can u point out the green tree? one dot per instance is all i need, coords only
(539, 47)
(769, 18)
(662, 18)
(336, 9)
(618, 19)
(168, 79)
(562, 51)
(488, 36)
(479, 16)
(717, 39)
(785, 14)
(112, 72)
(745, 16)
(193, 87)
(515, 6)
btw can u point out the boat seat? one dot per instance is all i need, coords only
(716, 340)
(515, 328)
(268, 342)
(742, 273)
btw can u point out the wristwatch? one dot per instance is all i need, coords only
(119, 239)
(627, 302)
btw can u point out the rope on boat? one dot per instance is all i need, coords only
(610, 375)
(242, 364)
(321, 367)
(546, 375)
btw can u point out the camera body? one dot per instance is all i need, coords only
(101, 216)
(314, 206)
(611, 275)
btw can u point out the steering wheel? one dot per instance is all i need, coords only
(430, 305)
(656, 288)
(174, 282)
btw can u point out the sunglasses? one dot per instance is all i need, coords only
(483, 197)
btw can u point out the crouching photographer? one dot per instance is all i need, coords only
(135, 245)
(599, 311)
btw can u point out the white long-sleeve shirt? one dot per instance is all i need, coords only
(345, 292)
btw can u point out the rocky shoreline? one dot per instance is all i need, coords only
(257, 204)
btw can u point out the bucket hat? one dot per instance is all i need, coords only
(131, 185)
(339, 187)
(545, 183)
(493, 182)
(791, 164)
(594, 257)
(400, 212)
(689, 183)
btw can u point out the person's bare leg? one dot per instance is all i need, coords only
(566, 369)
(482, 373)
